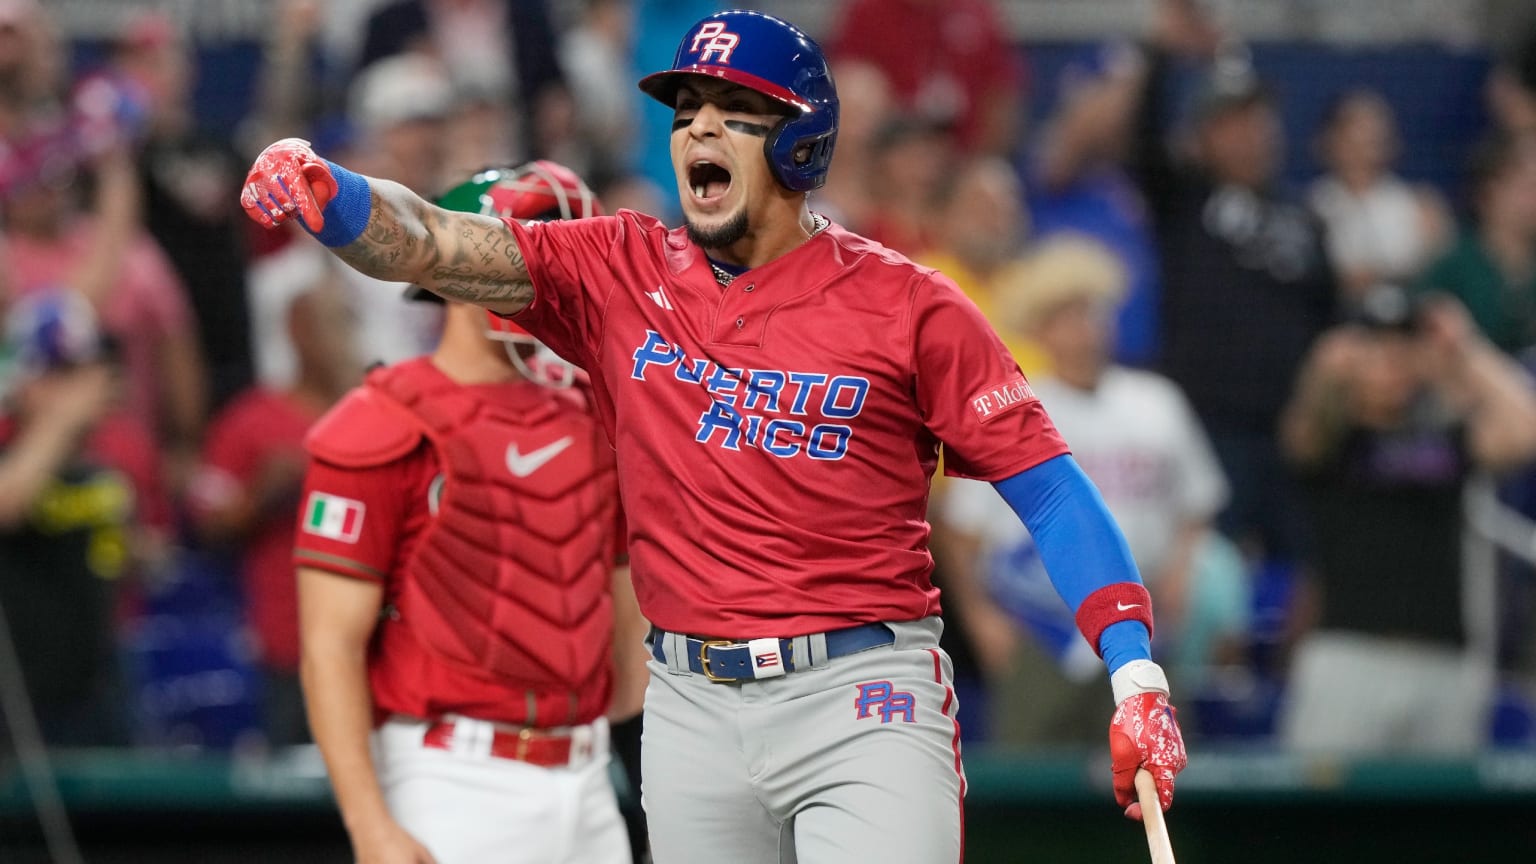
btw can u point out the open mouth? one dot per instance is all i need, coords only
(708, 180)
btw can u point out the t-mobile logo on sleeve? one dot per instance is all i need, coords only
(992, 402)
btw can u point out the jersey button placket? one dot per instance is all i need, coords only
(738, 303)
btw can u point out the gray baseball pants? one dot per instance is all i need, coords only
(857, 760)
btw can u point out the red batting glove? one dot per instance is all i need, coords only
(288, 178)
(1145, 734)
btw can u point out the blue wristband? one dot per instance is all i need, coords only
(347, 214)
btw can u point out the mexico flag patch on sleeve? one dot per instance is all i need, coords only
(992, 402)
(333, 517)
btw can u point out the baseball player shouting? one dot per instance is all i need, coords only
(456, 556)
(777, 389)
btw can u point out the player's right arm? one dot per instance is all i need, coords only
(630, 674)
(386, 231)
(337, 615)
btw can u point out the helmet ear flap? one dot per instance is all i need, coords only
(799, 149)
(773, 148)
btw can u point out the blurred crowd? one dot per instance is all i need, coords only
(1310, 408)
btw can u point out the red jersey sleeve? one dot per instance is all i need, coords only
(350, 519)
(973, 397)
(233, 449)
(567, 260)
(232, 444)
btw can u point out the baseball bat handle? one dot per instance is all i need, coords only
(1152, 818)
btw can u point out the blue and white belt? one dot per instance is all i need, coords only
(727, 660)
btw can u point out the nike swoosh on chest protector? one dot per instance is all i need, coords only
(523, 464)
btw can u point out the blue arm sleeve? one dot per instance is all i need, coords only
(1080, 543)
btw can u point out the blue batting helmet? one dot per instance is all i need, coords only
(773, 57)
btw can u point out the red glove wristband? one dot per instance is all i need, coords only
(1116, 602)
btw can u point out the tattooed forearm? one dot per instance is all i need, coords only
(503, 296)
(515, 258)
(477, 261)
(461, 256)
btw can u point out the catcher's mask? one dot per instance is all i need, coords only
(534, 191)
(536, 361)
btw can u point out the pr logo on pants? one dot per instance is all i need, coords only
(881, 697)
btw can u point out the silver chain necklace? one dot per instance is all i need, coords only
(819, 223)
(721, 275)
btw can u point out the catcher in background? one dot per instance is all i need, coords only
(464, 608)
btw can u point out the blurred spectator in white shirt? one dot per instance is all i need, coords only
(596, 54)
(1380, 227)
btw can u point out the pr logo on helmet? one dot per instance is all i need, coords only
(720, 43)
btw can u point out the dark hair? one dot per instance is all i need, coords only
(950, 182)
(1339, 105)
(1489, 161)
(900, 128)
(1520, 57)
(1230, 87)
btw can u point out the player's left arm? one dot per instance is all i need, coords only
(1090, 565)
(973, 397)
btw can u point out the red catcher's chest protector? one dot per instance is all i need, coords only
(512, 576)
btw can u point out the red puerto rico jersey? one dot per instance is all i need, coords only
(776, 438)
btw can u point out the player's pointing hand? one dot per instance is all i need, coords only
(287, 179)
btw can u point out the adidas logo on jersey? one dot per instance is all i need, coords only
(659, 297)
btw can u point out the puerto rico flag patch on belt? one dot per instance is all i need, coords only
(333, 517)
